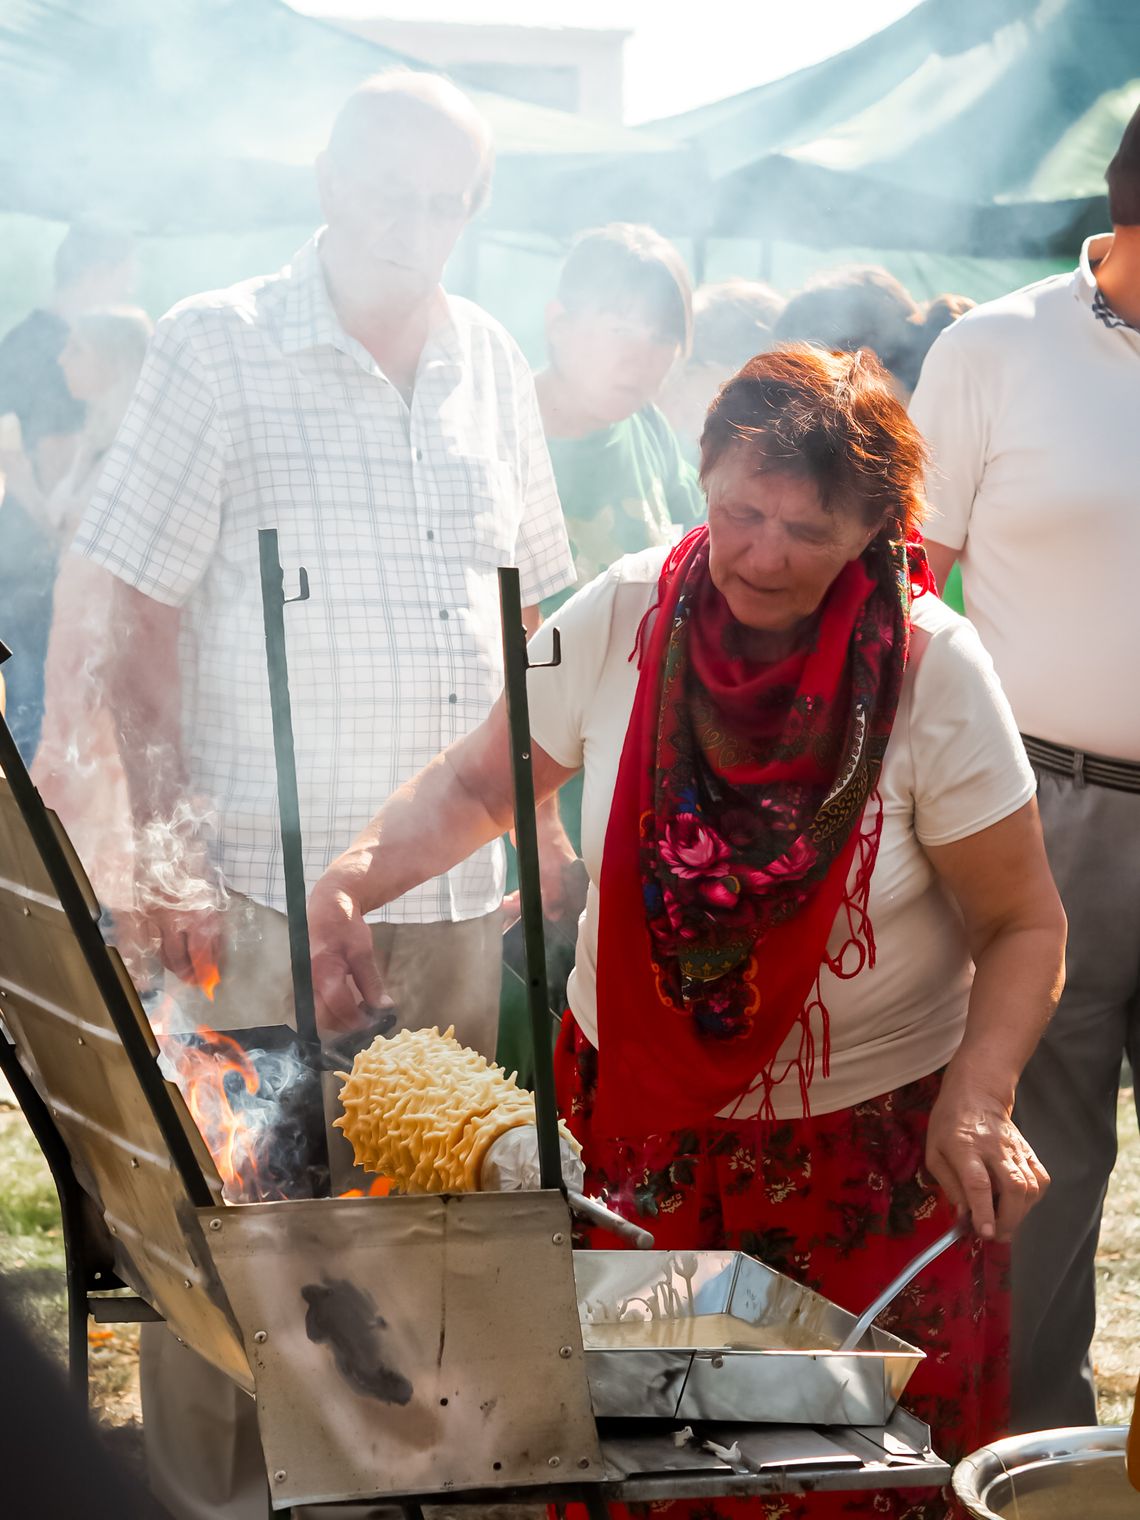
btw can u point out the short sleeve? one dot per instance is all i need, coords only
(970, 767)
(543, 550)
(560, 697)
(155, 514)
(949, 410)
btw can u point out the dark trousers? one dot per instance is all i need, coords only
(1067, 1098)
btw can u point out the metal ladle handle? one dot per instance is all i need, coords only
(897, 1284)
(593, 1210)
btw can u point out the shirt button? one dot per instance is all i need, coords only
(430, 534)
(443, 614)
(453, 699)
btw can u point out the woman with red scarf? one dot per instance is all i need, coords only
(821, 937)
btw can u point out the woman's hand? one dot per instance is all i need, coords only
(981, 1159)
(347, 984)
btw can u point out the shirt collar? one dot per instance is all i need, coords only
(310, 321)
(1084, 279)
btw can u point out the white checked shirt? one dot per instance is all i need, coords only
(256, 410)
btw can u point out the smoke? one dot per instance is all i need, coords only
(171, 859)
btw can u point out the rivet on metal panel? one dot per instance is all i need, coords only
(559, 1238)
(27, 911)
(718, 1362)
(215, 1224)
(114, 1229)
(280, 1475)
(81, 1041)
(186, 1283)
(260, 1337)
(565, 1352)
(134, 1159)
(583, 1463)
(554, 1461)
(180, 1341)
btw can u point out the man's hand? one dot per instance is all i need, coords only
(979, 1157)
(564, 884)
(347, 983)
(561, 872)
(188, 941)
(180, 902)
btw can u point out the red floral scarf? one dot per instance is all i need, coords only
(737, 816)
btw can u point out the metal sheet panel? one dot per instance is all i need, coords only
(67, 1042)
(410, 1345)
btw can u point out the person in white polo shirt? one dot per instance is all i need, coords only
(391, 434)
(1031, 405)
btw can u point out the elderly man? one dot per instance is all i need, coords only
(1031, 405)
(391, 434)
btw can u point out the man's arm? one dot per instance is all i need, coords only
(144, 691)
(942, 560)
(153, 522)
(176, 888)
(950, 410)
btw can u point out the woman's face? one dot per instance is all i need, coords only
(773, 550)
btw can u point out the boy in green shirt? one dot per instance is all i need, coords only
(621, 319)
(619, 322)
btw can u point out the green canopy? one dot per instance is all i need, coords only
(200, 116)
(979, 127)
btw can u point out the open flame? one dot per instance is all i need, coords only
(238, 1114)
(379, 1187)
(255, 1098)
(214, 1074)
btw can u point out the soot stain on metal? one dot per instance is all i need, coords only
(345, 1318)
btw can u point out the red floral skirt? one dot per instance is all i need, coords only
(840, 1203)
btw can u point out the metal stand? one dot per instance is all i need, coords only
(516, 664)
(273, 603)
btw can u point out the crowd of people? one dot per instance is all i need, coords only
(831, 830)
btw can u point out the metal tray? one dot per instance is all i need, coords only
(671, 1359)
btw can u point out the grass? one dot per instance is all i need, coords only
(31, 1267)
(31, 1264)
(1116, 1349)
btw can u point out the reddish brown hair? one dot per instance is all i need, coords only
(832, 418)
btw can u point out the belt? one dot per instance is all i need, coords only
(1095, 770)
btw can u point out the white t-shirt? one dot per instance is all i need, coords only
(1031, 405)
(954, 766)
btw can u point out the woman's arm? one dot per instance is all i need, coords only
(1016, 928)
(460, 801)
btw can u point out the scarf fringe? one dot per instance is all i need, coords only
(861, 938)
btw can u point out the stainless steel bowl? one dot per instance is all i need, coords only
(1050, 1475)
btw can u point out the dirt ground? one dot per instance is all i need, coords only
(31, 1275)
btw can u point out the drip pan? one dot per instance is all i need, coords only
(716, 1335)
